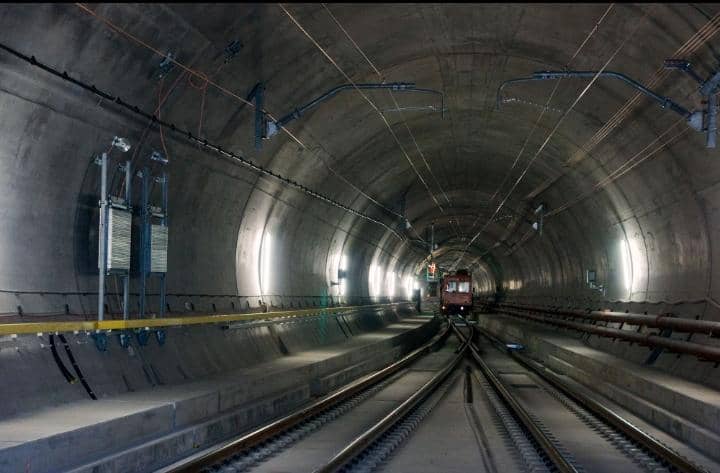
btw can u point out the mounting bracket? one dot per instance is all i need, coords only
(101, 340)
(166, 65)
(709, 89)
(702, 121)
(272, 127)
(232, 50)
(257, 96)
(142, 336)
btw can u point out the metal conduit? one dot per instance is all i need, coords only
(397, 86)
(677, 324)
(678, 346)
(664, 102)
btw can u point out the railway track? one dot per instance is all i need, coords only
(452, 405)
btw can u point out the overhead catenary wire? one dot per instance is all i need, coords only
(208, 82)
(555, 128)
(626, 167)
(367, 99)
(397, 106)
(546, 107)
(701, 37)
(629, 165)
(548, 137)
(690, 46)
(392, 96)
(187, 135)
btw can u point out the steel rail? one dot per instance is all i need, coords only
(557, 458)
(268, 431)
(707, 352)
(359, 444)
(605, 414)
(678, 324)
(56, 327)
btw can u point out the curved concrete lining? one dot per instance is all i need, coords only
(343, 212)
(203, 386)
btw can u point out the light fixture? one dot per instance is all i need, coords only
(626, 259)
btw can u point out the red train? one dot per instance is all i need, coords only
(456, 295)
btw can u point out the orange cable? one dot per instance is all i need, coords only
(187, 69)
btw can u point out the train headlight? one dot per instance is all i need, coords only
(462, 308)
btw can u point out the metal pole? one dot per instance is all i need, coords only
(102, 234)
(145, 237)
(432, 238)
(162, 295)
(712, 112)
(259, 115)
(128, 202)
(165, 224)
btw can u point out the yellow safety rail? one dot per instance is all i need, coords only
(53, 327)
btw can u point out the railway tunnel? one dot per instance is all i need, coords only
(216, 219)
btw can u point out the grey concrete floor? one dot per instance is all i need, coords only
(456, 437)
(587, 447)
(461, 434)
(318, 447)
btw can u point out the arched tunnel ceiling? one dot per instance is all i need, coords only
(476, 172)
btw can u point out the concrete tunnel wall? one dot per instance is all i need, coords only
(665, 209)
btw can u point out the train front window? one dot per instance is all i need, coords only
(464, 286)
(451, 286)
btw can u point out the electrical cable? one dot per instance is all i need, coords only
(65, 372)
(555, 128)
(187, 135)
(629, 165)
(245, 101)
(397, 106)
(701, 37)
(162, 137)
(76, 367)
(546, 107)
(367, 99)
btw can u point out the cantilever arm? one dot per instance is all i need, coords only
(334, 91)
(511, 81)
(273, 127)
(664, 102)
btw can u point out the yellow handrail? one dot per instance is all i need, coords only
(52, 327)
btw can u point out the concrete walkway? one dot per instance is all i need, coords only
(144, 430)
